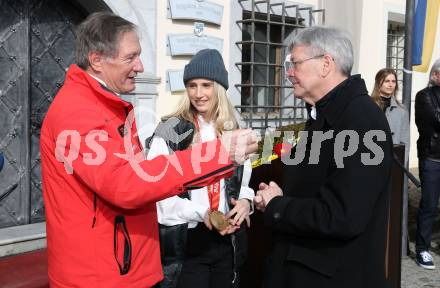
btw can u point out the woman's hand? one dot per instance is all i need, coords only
(240, 212)
(206, 219)
(229, 230)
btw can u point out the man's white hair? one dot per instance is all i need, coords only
(322, 40)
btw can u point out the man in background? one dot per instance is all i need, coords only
(427, 114)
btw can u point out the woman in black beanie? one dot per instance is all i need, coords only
(202, 233)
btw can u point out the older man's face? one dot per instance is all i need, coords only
(118, 72)
(305, 73)
(436, 77)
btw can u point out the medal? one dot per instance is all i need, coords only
(218, 220)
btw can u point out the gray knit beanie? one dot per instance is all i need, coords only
(207, 64)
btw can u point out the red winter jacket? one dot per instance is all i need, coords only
(101, 219)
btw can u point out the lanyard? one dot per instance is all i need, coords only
(214, 189)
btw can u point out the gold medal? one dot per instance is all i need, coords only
(218, 220)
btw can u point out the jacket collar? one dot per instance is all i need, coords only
(78, 75)
(331, 106)
(393, 103)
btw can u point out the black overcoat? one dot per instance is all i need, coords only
(329, 228)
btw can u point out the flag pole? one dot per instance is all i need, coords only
(406, 99)
(407, 62)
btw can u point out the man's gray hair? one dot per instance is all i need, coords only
(435, 68)
(100, 32)
(323, 40)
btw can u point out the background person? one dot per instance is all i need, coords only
(427, 114)
(101, 217)
(195, 254)
(384, 94)
(328, 221)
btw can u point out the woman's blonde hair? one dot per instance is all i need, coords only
(379, 79)
(221, 111)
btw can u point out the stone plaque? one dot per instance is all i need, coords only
(175, 80)
(189, 44)
(196, 10)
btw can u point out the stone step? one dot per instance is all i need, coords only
(23, 238)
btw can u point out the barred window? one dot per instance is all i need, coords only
(267, 30)
(395, 48)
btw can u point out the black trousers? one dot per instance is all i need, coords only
(209, 260)
(429, 172)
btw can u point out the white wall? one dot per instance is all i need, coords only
(346, 15)
(167, 101)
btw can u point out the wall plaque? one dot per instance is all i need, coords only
(190, 44)
(196, 10)
(175, 80)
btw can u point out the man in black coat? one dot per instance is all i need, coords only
(329, 219)
(427, 112)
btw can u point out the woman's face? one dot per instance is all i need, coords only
(388, 85)
(201, 94)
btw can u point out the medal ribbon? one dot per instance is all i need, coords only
(214, 195)
(214, 189)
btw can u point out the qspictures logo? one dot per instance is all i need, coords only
(345, 144)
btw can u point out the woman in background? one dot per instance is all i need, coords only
(384, 94)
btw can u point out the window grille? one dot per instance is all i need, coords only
(395, 49)
(267, 30)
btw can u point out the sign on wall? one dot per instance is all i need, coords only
(196, 10)
(175, 80)
(189, 44)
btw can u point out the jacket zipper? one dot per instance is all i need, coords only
(94, 211)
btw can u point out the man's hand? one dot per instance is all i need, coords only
(240, 212)
(240, 144)
(266, 194)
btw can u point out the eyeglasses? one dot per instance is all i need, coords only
(291, 65)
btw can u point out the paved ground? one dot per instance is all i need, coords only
(414, 276)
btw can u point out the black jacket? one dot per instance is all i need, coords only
(173, 238)
(427, 112)
(329, 228)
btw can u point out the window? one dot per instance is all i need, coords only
(395, 48)
(267, 30)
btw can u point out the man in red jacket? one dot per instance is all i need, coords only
(99, 191)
